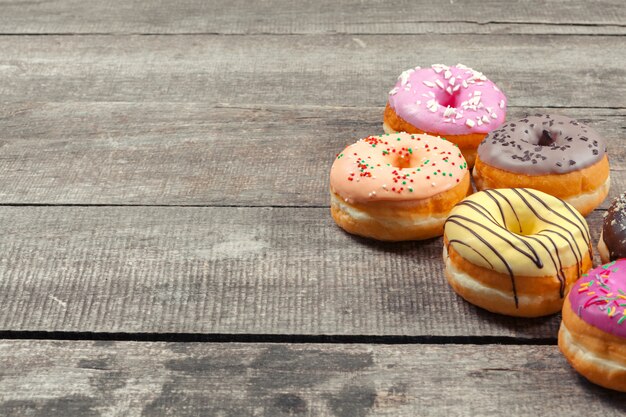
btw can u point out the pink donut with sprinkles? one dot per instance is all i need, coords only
(593, 331)
(397, 186)
(455, 102)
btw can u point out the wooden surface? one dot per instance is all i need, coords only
(190, 379)
(286, 271)
(182, 154)
(164, 194)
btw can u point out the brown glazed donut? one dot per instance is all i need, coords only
(550, 153)
(612, 244)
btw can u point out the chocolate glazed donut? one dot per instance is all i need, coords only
(550, 153)
(612, 244)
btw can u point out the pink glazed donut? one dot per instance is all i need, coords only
(454, 102)
(593, 331)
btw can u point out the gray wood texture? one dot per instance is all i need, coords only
(301, 70)
(56, 378)
(163, 175)
(286, 271)
(327, 16)
(196, 154)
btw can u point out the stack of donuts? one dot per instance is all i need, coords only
(516, 243)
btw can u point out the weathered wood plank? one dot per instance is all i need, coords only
(195, 154)
(566, 71)
(156, 379)
(227, 270)
(287, 17)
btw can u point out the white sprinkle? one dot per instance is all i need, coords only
(418, 102)
(407, 87)
(433, 184)
(461, 66)
(447, 120)
(358, 179)
(496, 88)
(459, 115)
(428, 84)
(477, 93)
(394, 91)
(449, 90)
(480, 122)
(474, 101)
(439, 83)
(465, 83)
(418, 68)
(449, 111)
(470, 123)
(433, 109)
(346, 199)
(384, 186)
(425, 95)
(494, 116)
(439, 67)
(373, 192)
(447, 74)
(456, 87)
(488, 109)
(501, 104)
(431, 94)
(452, 80)
(404, 77)
(486, 119)
(431, 102)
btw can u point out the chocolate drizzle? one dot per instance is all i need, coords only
(614, 228)
(494, 232)
(542, 144)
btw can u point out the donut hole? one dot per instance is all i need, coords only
(403, 162)
(452, 100)
(544, 137)
(526, 227)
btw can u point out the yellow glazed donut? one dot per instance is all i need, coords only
(515, 251)
(397, 187)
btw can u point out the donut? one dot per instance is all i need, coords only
(612, 244)
(592, 335)
(550, 153)
(515, 251)
(397, 187)
(454, 102)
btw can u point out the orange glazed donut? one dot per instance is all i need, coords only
(454, 102)
(550, 153)
(593, 331)
(397, 187)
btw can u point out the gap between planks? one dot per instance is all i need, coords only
(276, 338)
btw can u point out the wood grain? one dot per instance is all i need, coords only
(163, 379)
(286, 271)
(328, 16)
(195, 154)
(534, 71)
